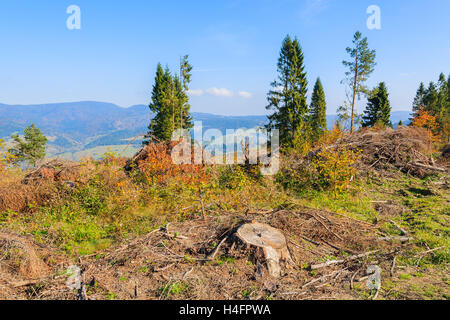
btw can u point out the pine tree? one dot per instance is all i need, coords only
(185, 79)
(378, 108)
(360, 68)
(32, 148)
(318, 111)
(288, 95)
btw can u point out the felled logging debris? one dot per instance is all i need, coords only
(57, 170)
(43, 184)
(177, 152)
(320, 253)
(405, 149)
(219, 258)
(28, 269)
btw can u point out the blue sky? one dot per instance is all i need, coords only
(233, 46)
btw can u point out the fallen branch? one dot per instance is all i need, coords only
(402, 239)
(393, 265)
(403, 231)
(324, 277)
(352, 279)
(175, 235)
(213, 255)
(24, 283)
(188, 273)
(376, 294)
(428, 251)
(332, 262)
(309, 240)
(424, 166)
(323, 224)
(165, 268)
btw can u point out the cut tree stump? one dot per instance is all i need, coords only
(270, 245)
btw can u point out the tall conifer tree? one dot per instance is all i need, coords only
(170, 102)
(360, 67)
(431, 99)
(420, 95)
(287, 98)
(185, 79)
(378, 108)
(443, 102)
(318, 111)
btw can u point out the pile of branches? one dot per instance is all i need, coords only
(162, 151)
(43, 185)
(406, 149)
(31, 270)
(56, 171)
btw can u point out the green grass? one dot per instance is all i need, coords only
(349, 204)
(224, 260)
(173, 289)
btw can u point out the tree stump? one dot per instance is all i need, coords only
(269, 243)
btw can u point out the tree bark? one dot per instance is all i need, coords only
(269, 244)
(354, 96)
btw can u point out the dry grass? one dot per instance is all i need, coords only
(19, 197)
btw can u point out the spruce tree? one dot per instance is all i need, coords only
(160, 124)
(170, 103)
(431, 99)
(420, 95)
(448, 87)
(443, 102)
(360, 67)
(287, 98)
(318, 111)
(447, 110)
(378, 108)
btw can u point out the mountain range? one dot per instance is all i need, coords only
(85, 128)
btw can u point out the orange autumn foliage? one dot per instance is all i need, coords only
(158, 167)
(423, 119)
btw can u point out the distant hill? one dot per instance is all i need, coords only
(81, 126)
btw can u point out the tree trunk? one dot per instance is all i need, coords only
(268, 243)
(354, 97)
(182, 89)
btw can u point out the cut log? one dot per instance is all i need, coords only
(270, 244)
(427, 167)
(332, 262)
